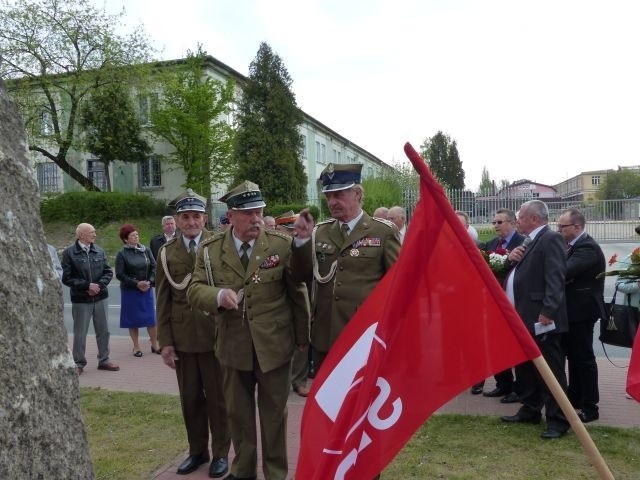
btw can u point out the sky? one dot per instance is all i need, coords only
(538, 90)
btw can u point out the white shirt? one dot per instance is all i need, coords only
(186, 241)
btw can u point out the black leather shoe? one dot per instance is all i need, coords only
(587, 417)
(520, 418)
(496, 392)
(218, 467)
(510, 398)
(192, 462)
(231, 476)
(550, 433)
(477, 388)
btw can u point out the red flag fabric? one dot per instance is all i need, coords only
(436, 323)
(633, 374)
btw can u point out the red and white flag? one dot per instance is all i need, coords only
(633, 374)
(436, 323)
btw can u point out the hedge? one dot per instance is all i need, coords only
(99, 208)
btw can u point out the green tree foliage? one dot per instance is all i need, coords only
(268, 144)
(191, 116)
(112, 129)
(620, 184)
(55, 53)
(443, 159)
(487, 186)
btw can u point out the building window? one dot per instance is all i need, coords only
(96, 173)
(321, 152)
(232, 116)
(47, 177)
(146, 105)
(46, 124)
(304, 146)
(595, 180)
(149, 174)
(337, 156)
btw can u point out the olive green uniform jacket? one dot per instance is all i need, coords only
(360, 260)
(274, 314)
(187, 329)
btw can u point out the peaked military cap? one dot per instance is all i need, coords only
(188, 201)
(286, 219)
(244, 197)
(340, 177)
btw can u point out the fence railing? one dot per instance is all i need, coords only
(607, 220)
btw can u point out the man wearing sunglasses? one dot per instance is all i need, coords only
(507, 238)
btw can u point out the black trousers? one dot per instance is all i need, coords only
(532, 390)
(583, 369)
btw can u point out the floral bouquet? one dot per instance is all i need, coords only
(497, 262)
(630, 266)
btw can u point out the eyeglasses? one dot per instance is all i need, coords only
(560, 226)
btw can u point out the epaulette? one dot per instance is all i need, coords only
(388, 223)
(212, 238)
(328, 220)
(277, 233)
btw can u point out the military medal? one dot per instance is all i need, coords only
(255, 278)
(354, 252)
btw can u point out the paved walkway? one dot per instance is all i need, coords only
(149, 374)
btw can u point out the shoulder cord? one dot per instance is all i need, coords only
(207, 266)
(178, 286)
(316, 274)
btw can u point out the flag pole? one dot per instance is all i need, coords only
(578, 427)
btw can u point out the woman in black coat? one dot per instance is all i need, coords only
(136, 269)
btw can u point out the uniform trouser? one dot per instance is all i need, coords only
(533, 392)
(273, 392)
(299, 368)
(82, 314)
(203, 406)
(583, 369)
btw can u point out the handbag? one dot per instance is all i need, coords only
(622, 325)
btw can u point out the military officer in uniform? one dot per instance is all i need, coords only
(345, 256)
(187, 338)
(243, 278)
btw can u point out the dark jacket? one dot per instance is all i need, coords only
(80, 268)
(133, 265)
(538, 285)
(516, 241)
(585, 260)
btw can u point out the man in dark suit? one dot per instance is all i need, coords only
(187, 339)
(243, 278)
(536, 287)
(506, 239)
(168, 232)
(585, 305)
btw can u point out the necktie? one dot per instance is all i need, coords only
(192, 249)
(345, 230)
(244, 258)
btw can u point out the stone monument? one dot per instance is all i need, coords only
(41, 431)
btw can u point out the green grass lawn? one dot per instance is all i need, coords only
(132, 435)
